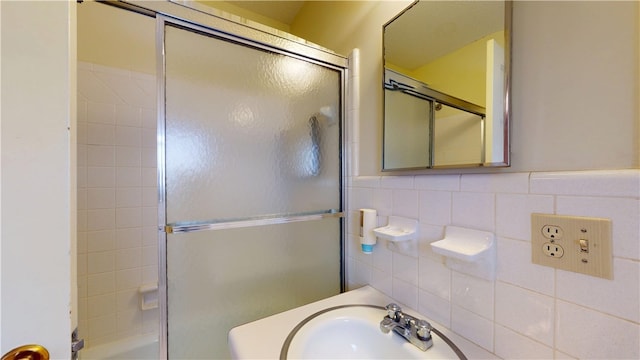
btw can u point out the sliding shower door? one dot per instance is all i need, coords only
(252, 177)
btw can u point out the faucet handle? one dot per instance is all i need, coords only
(423, 330)
(393, 310)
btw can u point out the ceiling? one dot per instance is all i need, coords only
(282, 11)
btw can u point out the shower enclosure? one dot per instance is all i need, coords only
(250, 176)
(252, 180)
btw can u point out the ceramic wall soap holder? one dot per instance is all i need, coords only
(468, 250)
(398, 229)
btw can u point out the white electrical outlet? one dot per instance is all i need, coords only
(572, 243)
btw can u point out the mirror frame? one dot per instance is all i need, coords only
(506, 161)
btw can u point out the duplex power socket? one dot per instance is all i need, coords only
(572, 243)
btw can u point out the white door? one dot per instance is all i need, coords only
(37, 222)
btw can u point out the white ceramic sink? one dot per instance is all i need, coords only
(341, 333)
(354, 333)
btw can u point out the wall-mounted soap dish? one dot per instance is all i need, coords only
(398, 229)
(469, 251)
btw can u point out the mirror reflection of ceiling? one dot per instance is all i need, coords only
(282, 11)
(431, 29)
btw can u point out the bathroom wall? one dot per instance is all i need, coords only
(529, 311)
(117, 201)
(575, 79)
(569, 157)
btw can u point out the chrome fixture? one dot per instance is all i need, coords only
(416, 331)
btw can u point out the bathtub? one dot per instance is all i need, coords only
(134, 348)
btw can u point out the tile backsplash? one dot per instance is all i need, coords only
(528, 311)
(117, 202)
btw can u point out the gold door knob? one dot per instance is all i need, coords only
(27, 352)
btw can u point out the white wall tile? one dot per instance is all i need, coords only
(100, 134)
(130, 176)
(128, 279)
(405, 268)
(149, 177)
(620, 296)
(149, 157)
(101, 305)
(129, 197)
(492, 183)
(116, 257)
(511, 345)
(588, 334)
(101, 327)
(102, 219)
(100, 262)
(361, 198)
(438, 182)
(126, 115)
(149, 235)
(382, 257)
(434, 307)
(129, 322)
(128, 136)
(473, 294)
(102, 283)
(149, 255)
(513, 213)
(435, 277)
(359, 274)
(128, 217)
(623, 212)
(128, 258)
(149, 138)
(405, 203)
(473, 327)
(149, 119)
(526, 312)
(514, 266)
(367, 182)
(128, 156)
(474, 210)
(406, 293)
(100, 155)
(100, 113)
(101, 176)
(149, 196)
(150, 274)
(128, 238)
(396, 182)
(435, 207)
(383, 201)
(623, 183)
(101, 198)
(530, 321)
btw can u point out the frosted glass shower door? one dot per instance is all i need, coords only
(253, 186)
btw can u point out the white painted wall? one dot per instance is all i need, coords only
(37, 206)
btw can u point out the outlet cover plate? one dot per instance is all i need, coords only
(596, 261)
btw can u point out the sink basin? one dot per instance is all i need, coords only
(335, 328)
(353, 332)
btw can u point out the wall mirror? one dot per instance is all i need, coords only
(446, 85)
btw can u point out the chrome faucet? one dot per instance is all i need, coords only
(416, 331)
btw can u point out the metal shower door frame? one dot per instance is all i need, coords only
(295, 51)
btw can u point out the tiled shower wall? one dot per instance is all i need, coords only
(117, 202)
(528, 311)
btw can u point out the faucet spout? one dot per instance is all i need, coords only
(416, 331)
